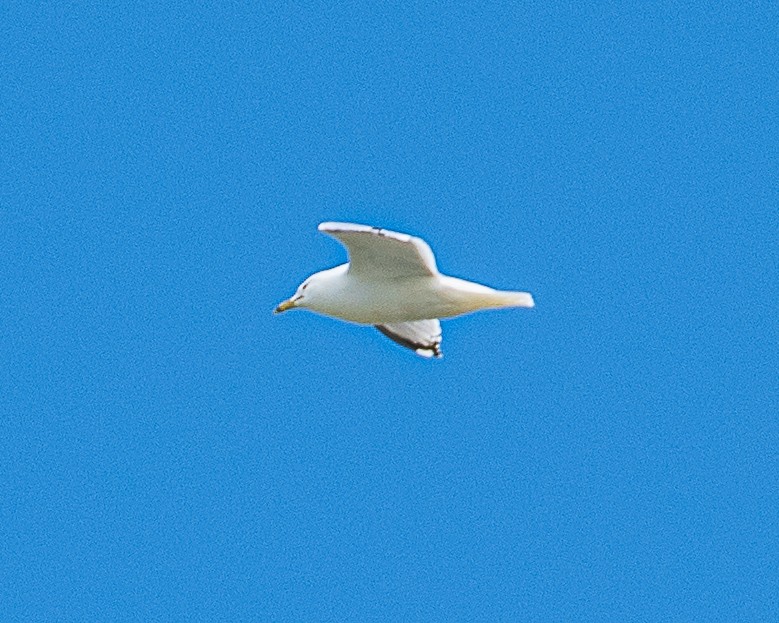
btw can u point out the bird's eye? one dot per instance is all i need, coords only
(304, 286)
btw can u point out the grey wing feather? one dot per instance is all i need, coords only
(421, 336)
(382, 254)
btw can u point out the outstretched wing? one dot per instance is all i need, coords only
(380, 254)
(421, 336)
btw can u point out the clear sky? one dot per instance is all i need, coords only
(171, 450)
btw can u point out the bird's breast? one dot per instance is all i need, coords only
(388, 301)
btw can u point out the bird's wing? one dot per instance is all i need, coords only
(381, 254)
(421, 336)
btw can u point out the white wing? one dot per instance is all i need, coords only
(381, 254)
(421, 336)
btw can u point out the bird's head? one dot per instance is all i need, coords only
(299, 299)
(313, 291)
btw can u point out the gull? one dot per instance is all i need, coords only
(391, 282)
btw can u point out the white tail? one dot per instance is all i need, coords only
(515, 299)
(464, 297)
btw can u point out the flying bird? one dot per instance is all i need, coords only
(391, 282)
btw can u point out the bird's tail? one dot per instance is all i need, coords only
(466, 296)
(513, 299)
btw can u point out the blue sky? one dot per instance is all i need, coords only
(170, 450)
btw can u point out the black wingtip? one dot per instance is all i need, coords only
(420, 349)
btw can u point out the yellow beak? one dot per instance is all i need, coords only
(288, 304)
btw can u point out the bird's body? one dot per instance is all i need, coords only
(392, 282)
(372, 302)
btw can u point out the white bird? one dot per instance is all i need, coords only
(391, 282)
